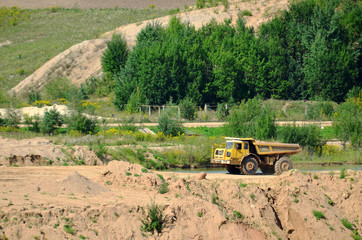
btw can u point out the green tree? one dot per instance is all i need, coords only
(188, 108)
(115, 56)
(348, 121)
(251, 119)
(51, 121)
(81, 123)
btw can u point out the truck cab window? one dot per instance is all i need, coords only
(237, 145)
(246, 146)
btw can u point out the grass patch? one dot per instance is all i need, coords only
(33, 45)
(318, 215)
(68, 228)
(346, 223)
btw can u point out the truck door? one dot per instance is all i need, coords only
(245, 150)
(238, 152)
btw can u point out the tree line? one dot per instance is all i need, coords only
(311, 51)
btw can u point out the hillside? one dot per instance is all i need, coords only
(83, 60)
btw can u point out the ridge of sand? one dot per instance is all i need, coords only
(83, 60)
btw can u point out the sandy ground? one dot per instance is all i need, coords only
(83, 60)
(164, 4)
(108, 202)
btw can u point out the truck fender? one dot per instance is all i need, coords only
(254, 155)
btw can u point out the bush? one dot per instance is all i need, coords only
(222, 111)
(169, 125)
(50, 122)
(252, 119)
(12, 118)
(187, 107)
(81, 123)
(33, 96)
(307, 136)
(115, 56)
(348, 122)
(154, 219)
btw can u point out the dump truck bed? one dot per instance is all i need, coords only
(270, 148)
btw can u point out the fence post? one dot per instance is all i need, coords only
(149, 110)
(159, 111)
(179, 112)
(140, 109)
(205, 107)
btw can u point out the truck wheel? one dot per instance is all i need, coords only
(282, 165)
(233, 169)
(267, 170)
(249, 166)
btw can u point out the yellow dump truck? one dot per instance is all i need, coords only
(245, 155)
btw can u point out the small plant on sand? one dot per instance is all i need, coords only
(346, 223)
(128, 174)
(68, 228)
(144, 170)
(318, 215)
(342, 173)
(315, 176)
(163, 188)
(154, 219)
(200, 214)
(238, 215)
(252, 196)
(330, 201)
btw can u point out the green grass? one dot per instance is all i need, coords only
(46, 34)
(318, 215)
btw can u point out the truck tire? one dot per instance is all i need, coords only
(232, 169)
(282, 165)
(249, 166)
(267, 170)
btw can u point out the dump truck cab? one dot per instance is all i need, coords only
(245, 155)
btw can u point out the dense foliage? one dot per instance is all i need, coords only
(251, 119)
(51, 121)
(311, 51)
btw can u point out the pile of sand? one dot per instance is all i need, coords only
(76, 184)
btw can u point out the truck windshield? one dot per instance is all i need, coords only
(229, 145)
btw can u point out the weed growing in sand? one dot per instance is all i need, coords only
(243, 185)
(36, 237)
(252, 196)
(95, 232)
(154, 220)
(68, 228)
(200, 214)
(346, 223)
(315, 176)
(238, 215)
(56, 225)
(82, 237)
(144, 170)
(108, 182)
(342, 173)
(330, 201)
(116, 214)
(296, 200)
(163, 188)
(318, 215)
(128, 174)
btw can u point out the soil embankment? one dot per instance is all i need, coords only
(104, 202)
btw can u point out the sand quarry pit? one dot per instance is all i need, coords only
(108, 202)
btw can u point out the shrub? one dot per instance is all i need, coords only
(33, 96)
(200, 3)
(81, 123)
(307, 136)
(246, 13)
(51, 121)
(12, 118)
(222, 111)
(187, 107)
(154, 220)
(348, 122)
(252, 119)
(115, 56)
(318, 215)
(169, 125)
